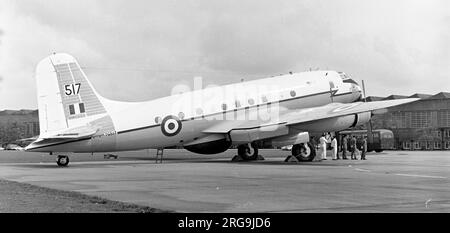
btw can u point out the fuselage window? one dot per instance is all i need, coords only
(181, 115)
(251, 101)
(237, 103)
(264, 99)
(157, 120)
(293, 93)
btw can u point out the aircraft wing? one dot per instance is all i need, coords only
(293, 117)
(338, 109)
(226, 126)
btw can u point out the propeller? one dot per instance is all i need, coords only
(364, 90)
(369, 124)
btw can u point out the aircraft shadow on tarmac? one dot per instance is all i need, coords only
(272, 161)
(142, 160)
(280, 162)
(72, 165)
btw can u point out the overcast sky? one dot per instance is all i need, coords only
(139, 50)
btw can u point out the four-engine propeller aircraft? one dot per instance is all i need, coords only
(280, 111)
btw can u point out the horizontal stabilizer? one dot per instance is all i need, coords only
(67, 135)
(72, 133)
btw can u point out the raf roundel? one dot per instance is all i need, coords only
(170, 126)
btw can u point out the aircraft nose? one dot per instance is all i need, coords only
(360, 96)
(357, 90)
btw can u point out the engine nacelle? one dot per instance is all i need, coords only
(291, 139)
(212, 147)
(362, 118)
(336, 123)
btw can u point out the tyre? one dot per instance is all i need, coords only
(62, 160)
(304, 152)
(248, 152)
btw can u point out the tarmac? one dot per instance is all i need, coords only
(391, 181)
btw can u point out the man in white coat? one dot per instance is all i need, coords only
(335, 149)
(323, 147)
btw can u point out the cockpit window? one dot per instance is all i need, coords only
(350, 81)
(343, 75)
(346, 79)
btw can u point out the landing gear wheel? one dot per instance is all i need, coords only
(62, 160)
(248, 151)
(304, 151)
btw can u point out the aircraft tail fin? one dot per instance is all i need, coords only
(66, 98)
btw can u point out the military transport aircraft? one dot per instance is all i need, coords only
(279, 111)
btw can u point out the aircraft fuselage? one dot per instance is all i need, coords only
(181, 119)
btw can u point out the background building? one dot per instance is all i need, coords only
(420, 125)
(18, 125)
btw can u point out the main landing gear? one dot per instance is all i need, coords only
(62, 160)
(247, 152)
(301, 153)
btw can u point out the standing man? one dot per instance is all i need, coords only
(323, 147)
(364, 149)
(353, 148)
(335, 149)
(344, 147)
(313, 142)
(328, 137)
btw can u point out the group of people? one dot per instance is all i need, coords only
(348, 144)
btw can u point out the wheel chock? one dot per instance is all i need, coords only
(237, 158)
(291, 159)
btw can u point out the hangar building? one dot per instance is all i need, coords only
(420, 125)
